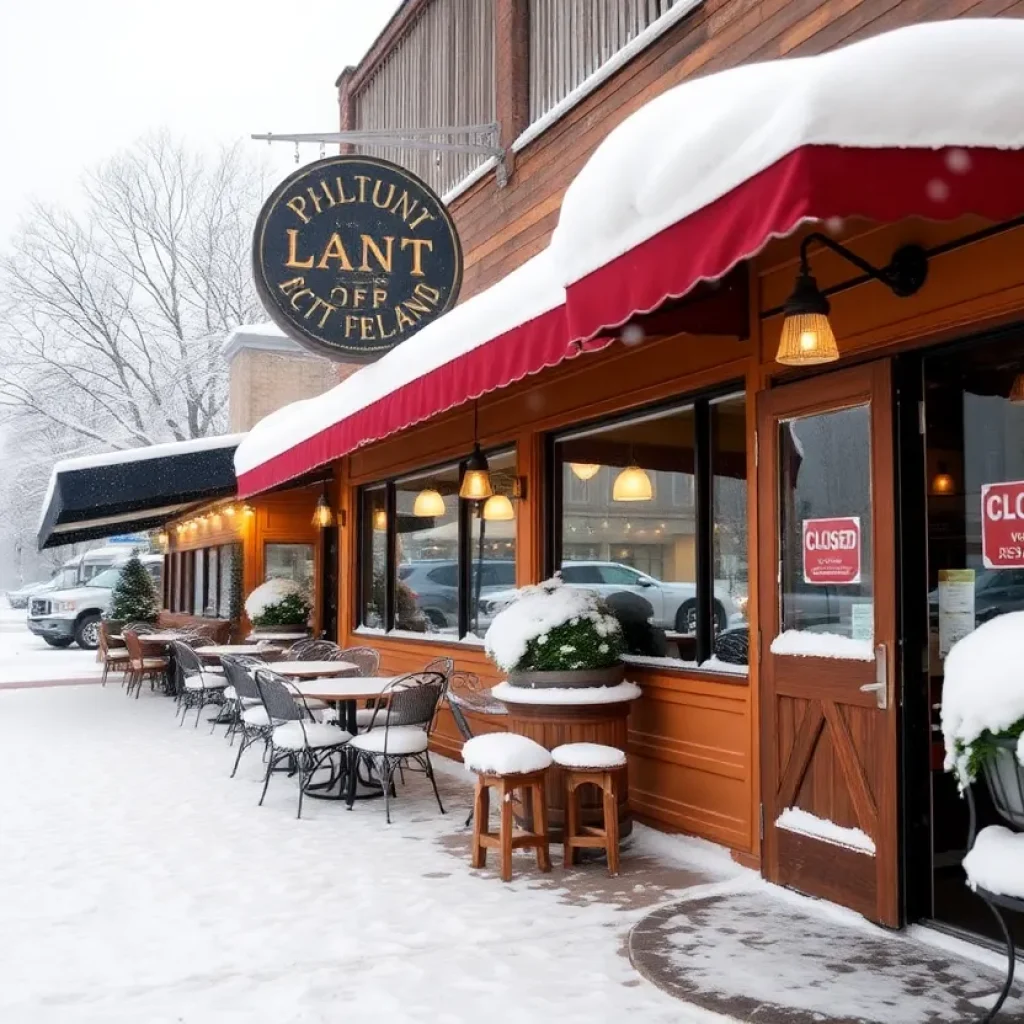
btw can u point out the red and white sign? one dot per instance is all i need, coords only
(832, 551)
(1002, 525)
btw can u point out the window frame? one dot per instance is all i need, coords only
(702, 403)
(464, 556)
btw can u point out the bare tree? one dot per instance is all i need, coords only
(112, 320)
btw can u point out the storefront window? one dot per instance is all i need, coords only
(212, 583)
(373, 557)
(198, 581)
(431, 562)
(289, 562)
(427, 535)
(631, 526)
(230, 558)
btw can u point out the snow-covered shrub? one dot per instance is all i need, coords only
(278, 603)
(552, 627)
(983, 695)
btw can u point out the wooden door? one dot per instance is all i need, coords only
(828, 608)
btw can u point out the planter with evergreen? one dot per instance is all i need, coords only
(134, 597)
(278, 606)
(557, 636)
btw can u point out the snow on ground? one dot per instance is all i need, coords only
(24, 657)
(144, 885)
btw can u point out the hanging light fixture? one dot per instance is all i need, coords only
(163, 539)
(429, 504)
(1016, 395)
(476, 481)
(584, 470)
(632, 484)
(248, 510)
(942, 482)
(229, 511)
(807, 338)
(498, 508)
(380, 520)
(322, 514)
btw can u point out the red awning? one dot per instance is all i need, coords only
(814, 183)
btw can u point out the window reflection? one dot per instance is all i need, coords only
(290, 562)
(373, 557)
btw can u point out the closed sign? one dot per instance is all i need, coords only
(832, 551)
(1002, 525)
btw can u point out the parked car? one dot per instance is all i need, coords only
(434, 584)
(66, 616)
(19, 598)
(674, 603)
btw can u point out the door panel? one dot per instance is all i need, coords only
(828, 581)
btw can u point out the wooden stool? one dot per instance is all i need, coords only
(530, 785)
(507, 763)
(597, 765)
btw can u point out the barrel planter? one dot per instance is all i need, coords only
(560, 721)
(569, 679)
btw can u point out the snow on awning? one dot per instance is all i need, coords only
(923, 121)
(139, 489)
(513, 329)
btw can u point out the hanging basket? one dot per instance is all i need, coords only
(1004, 776)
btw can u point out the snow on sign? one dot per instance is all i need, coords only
(1002, 525)
(832, 551)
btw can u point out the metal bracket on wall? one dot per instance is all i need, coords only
(475, 138)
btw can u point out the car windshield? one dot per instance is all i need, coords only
(106, 579)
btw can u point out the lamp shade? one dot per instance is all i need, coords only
(584, 470)
(429, 504)
(1016, 395)
(322, 514)
(380, 520)
(807, 337)
(632, 484)
(476, 481)
(498, 508)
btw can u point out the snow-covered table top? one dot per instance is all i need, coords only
(159, 638)
(255, 638)
(566, 695)
(218, 650)
(357, 688)
(314, 669)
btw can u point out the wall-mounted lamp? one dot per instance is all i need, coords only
(322, 514)
(163, 539)
(229, 511)
(476, 481)
(248, 510)
(807, 337)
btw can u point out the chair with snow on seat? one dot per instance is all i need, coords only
(406, 710)
(295, 736)
(466, 693)
(591, 764)
(197, 687)
(241, 693)
(508, 763)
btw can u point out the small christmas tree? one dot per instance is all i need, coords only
(134, 596)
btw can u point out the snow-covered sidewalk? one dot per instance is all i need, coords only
(139, 884)
(26, 658)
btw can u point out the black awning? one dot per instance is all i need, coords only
(124, 492)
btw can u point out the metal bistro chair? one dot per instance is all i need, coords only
(197, 687)
(295, 736)
(251, 720)
(466, 693)
(408, 708)
(1010, 806)
(313, 650)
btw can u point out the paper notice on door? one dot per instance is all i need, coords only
(956, 607)
(862, 621)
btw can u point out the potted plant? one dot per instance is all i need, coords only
(983, 712)
(133, 598)
(278, 606)
(556, 636)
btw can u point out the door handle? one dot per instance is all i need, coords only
(880, 687)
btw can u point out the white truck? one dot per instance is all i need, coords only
(72, 614)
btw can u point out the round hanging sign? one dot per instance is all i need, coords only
(353, 255)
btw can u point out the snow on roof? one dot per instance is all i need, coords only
(523, 295)
(153, 451)
(266, 336)
(954, 83)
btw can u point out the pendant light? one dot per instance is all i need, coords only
(632, 484)
(584, 470)
(429, 504)
(380, 520)
(322, 514)
(1016, 395)
(498, 508)
(476, 481)
(942, 482)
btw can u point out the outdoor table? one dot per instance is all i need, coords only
(281, 638)
(315, 669)
(219, 650)
(163, 641)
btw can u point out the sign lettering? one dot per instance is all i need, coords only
(831, 551)
(1002, 525)
(353, 255)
